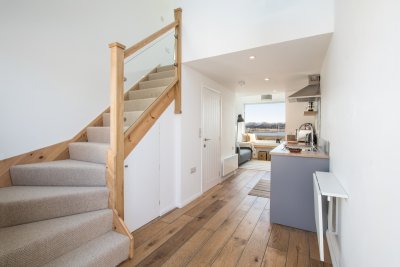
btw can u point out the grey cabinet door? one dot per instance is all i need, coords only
(292, 198)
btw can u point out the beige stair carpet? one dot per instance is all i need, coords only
(107, 250)
(60, 173)
(56, 214)
(35, 244)
(24, 204)
(129, 118)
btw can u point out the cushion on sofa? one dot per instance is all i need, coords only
(252, 137)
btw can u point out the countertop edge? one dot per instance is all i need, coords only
(278, 151)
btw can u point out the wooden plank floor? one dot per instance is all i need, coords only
(225, 227)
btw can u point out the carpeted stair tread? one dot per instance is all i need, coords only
(165, 68)
(138, 104)
(162, 74)
(107, 250)
(24, 204)
(155, 83)
(88, 151)
(59, 173)
(99, 134)
(35, 244)
(129, 118)
(146, 93)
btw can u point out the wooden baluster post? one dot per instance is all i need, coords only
(178, 59)
(116, 153)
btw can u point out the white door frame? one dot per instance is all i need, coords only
(206, 87)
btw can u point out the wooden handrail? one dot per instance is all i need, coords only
(178, 60)
(134, 48)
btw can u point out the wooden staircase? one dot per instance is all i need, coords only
(93, 159)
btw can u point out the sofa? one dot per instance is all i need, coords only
(244, 154)
(250, 141)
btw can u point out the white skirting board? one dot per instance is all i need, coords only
(228, 175)
(188, 200)
(167, 209)
(229, 164)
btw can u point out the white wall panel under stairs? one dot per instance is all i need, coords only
(150, 173)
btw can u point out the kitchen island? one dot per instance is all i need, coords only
(292, 199)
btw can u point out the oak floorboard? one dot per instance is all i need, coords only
(152, 244)
(279, 238)
(256, 177)
(298, 254)
(274, 258)
(226, 191)
(316, 263)
(255, 249)
(228, 183)
(233, 200)
(214, 223)
(228, 227)
(166, 250)
(176, 213)
(234, 247)
(193, 212)
(213, 246)
(148, 231)
(313, 244)
(314, 250)
(185, 253)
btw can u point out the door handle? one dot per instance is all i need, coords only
(206, 139)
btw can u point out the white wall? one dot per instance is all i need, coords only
(190, 124)
(213, 28)
(54, 64)
(360, 106)
(295, 116)
(255, 99)
(150, 173)
(168, 151)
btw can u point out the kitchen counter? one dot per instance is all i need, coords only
(281, 151)
(292, 197)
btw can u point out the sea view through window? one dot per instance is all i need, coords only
(265, 119)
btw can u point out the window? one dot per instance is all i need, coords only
(265, 120)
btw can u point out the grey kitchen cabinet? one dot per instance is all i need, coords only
(292, 198)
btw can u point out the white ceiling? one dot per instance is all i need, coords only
(286, 64)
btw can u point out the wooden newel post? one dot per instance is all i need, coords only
(116, 153)
(178, 59)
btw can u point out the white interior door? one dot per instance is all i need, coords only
(142, 181)
(211, 135)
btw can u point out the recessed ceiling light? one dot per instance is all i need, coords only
(252, 57)
(267, 79)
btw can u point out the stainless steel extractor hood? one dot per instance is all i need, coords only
(310, 93)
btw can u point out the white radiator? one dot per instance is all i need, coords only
(327, 185)
(229, 164)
